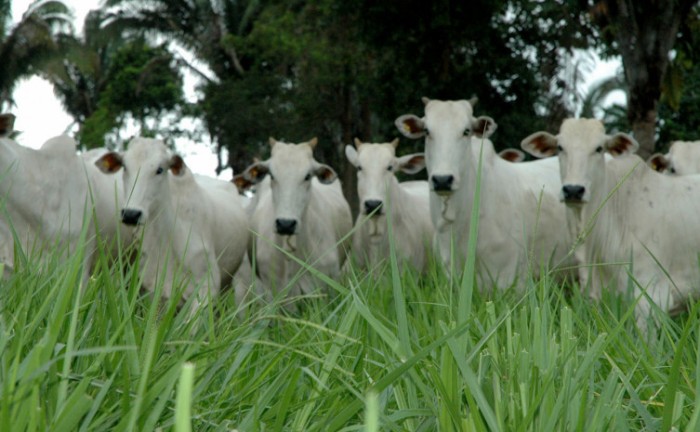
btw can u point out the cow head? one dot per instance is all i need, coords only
(291, 168)
(581, 146)
(146, 163)
(376, 166)
(449, 127)
(683, 158)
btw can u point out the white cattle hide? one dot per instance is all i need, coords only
(683, 158)
(384, 203)
(632, 218)
(193, 226)
(302, 211)
(47, 199)
(521, 223)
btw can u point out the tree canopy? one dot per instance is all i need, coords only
(340, 69)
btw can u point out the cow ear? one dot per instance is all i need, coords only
(412, 164)
(7, 124)
(242, 183)
(109, 163)
(177, 165)
(357, 142)
(658, 162)
(410, 126)
(325, 174)
(540, 144)
(313, 142)
(256, 172)
(512, 155)
(621, 144)
(351, 154)
(484, 126)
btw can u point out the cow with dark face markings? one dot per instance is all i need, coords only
(301, 210)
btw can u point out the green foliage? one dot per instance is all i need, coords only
(399, 346)
(26, 46)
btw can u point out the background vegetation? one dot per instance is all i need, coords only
(339, 69)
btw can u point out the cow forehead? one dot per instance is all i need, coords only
(146, 150)
(683, 149)
(448, 113)
(581, 133)
(289, 158)
(370, 154)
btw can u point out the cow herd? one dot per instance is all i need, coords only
(589, 209)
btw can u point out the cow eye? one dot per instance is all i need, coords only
(359, 168)
(307, 177)
(599, 149)
(672, 170)
(159, 170)
(560, 148)
(427, 132)
(390, 168)
(467, 132)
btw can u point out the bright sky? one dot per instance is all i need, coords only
(40, 115)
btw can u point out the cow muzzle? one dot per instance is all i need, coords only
(286, 226)
(131, 216)
(373, 206)
(573, 194)
(442, 184)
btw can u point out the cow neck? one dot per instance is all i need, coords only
(458, 207)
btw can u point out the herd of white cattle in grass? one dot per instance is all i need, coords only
(589, 209)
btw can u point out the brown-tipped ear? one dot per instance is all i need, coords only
(540, 144)
(395, 142)
(412, 164)
(109, 163)
(484, 126)
(425, 100)
(410, 126)
(658, 162)
(242, 183)
(358, 143)
(621, 144)
(7, 124)
(256, 172)
(313, 142)
(325, 174)
(512, 155)
(177, 165)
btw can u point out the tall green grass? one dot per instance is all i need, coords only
(386, 351)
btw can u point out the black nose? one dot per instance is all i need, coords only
(573, 192)
(285, 226)
(373, 205)
(442, 182)
(131, 216)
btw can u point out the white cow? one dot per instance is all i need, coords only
(683, 158)
(385, 202)
(302, 211)
(640, 221)
(192, 226)
(48, 195)
(521, 223)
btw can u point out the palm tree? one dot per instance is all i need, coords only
(26, 46)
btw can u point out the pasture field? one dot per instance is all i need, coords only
(384, 351)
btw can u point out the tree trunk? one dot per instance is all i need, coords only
(645, 31)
